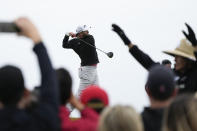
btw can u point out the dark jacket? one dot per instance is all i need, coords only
(44, 117)
(152, 119)
(87, 53)
(186, 82)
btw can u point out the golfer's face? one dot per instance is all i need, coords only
(180, 63)
(80, 35)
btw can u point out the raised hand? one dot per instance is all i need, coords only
(121, 33)
(28, 29)
(72, 34)
(191, 35)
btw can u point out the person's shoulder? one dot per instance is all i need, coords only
(193, 70)
(89, 36)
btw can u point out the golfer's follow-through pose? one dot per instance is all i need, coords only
(87, 54)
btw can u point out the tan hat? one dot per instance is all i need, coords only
(185, 49)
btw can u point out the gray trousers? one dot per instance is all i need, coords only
(88, 76)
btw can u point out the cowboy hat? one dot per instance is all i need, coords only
(185, 49)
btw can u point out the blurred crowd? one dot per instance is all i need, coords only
(171, 91)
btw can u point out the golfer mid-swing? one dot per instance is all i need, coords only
(88, 55)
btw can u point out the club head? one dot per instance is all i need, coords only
(110, 54)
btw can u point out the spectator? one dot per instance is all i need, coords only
(82, 45)
(13, 116)
(181, 114)
(167, 63)
(185, 59)
(120, 118)
(65, 85)
(94, 97)
(160, 88)
(89, 118)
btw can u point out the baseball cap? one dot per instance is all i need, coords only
(82, 28)
(11, 85)
(165, 61)
(94, 92)
(160, 82)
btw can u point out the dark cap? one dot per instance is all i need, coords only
(165, 61)
(11, 85)
(160, 82)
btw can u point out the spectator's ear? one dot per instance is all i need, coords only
(175, 92)
(25, 100)
(1, 105)
(26, 93)
(147, 90)
(71, 99)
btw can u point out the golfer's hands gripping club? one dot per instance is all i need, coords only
(72, 34)
(121, 33)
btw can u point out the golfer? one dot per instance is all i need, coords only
(88, 55)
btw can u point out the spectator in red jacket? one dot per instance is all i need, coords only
(89, 118)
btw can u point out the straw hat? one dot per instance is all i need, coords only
(185, 49)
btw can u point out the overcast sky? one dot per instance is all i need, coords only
(154, 25)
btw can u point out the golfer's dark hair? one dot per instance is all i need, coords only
(65, 85)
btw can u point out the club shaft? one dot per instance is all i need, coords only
(92, 46)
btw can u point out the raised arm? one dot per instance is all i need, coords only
(86, 113)
(49, 83)
(139, 55)
(69, 43)
(142, 57)
(65, 43)
(47, 110)
(48, 87)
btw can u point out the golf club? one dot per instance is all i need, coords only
(109, 54)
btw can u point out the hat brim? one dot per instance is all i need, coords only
(81, 32)
(179, 53)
